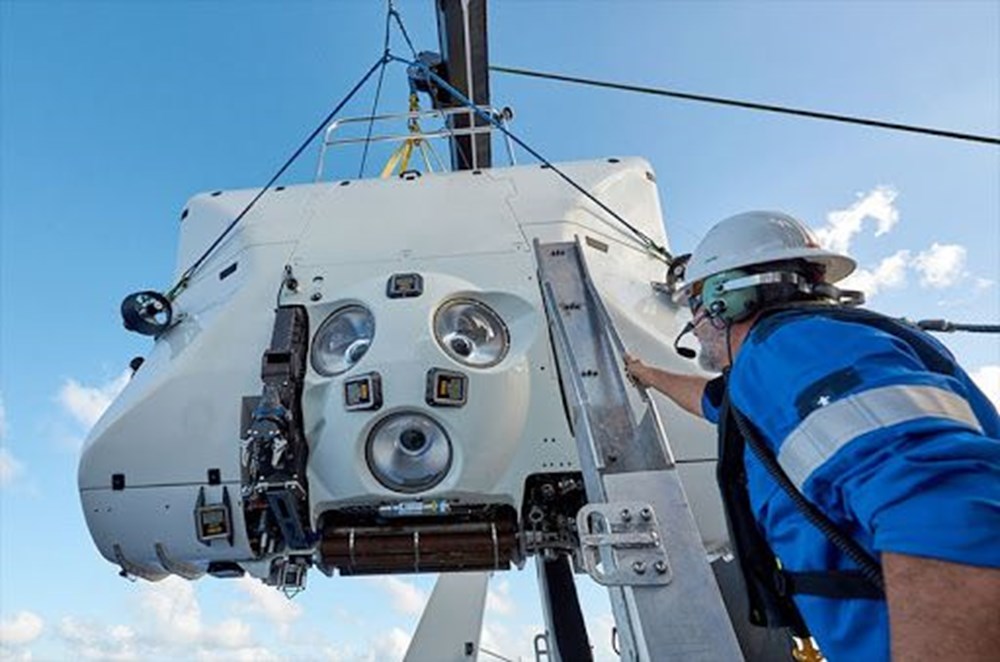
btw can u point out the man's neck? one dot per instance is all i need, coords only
(739, 332)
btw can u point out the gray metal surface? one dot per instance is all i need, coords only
(452, 621)
(625, 462)
(620, 544)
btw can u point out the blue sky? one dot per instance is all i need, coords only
(112, 114)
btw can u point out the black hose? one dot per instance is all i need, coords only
(868, 566)
(944, 326)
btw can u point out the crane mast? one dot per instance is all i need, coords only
(465, 65)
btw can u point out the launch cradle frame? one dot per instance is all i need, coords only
(665, 600)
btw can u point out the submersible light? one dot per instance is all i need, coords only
(408, 452)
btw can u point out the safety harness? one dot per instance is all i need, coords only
(769, 587)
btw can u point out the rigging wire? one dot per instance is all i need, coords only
(647, 241)
(786, 110)
(378, 93)
(394, 13)
(186, 276)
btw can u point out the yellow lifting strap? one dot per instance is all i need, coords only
(805, 651)
(399, 161)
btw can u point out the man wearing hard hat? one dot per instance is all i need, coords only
(859, 464)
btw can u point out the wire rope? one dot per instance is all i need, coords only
(186, 276)
(378, 93)
(394, 13)
(647, 241)
(772, 108)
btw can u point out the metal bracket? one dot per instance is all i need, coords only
(130, 569)
(188, 571)
(288, 574)
(620, 546)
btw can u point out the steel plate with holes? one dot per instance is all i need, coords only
(620, 545)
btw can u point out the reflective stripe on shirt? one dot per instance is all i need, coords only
(829, 428)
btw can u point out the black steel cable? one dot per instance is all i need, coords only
(402, 28)
(378, 93)
(643, 237)
(801, 112)
(868, 566)
(182, 283)
(944, 326)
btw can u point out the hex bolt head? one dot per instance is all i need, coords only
(626, 515)
(639, 567)
(646, 513)
(660, 567)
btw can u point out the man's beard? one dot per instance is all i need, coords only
(713, 355)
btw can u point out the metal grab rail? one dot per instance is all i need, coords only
(502, 116)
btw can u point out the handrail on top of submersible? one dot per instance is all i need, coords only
(444, 132)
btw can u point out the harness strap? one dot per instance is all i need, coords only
(769, 587)
(837, 584)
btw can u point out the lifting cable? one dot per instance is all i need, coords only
(394, 13)
(378, 93)
(187, 275)
(801, 112)
(646, 241)
(386, 57)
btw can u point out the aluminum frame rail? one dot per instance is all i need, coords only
(637, 534)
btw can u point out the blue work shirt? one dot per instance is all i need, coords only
(902, 458)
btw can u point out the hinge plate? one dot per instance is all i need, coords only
(620, 544)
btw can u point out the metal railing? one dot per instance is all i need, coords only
(444, 132)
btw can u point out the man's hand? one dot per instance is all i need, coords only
(637, 372)
(685, 390)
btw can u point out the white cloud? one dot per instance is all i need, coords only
(12, 655)
(230, 633)
(987, 378)
(270, 603)
(940, 266)
(10, 468)
(87, 403)
(23, 628)
(168, 625)
(498, 599)
(96, 642)
(391, 647)
(405, 597)
(247, 654)
(842, 225)
(890, 273)
(173, 608)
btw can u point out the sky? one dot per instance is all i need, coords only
(113, 114)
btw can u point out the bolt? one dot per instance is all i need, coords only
(646, 513)
(626, 515)
(639, 567)
(316, 296)
(661, 567)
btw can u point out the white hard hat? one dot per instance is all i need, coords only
(759, 237)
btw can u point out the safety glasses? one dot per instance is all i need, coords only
(694, 297)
